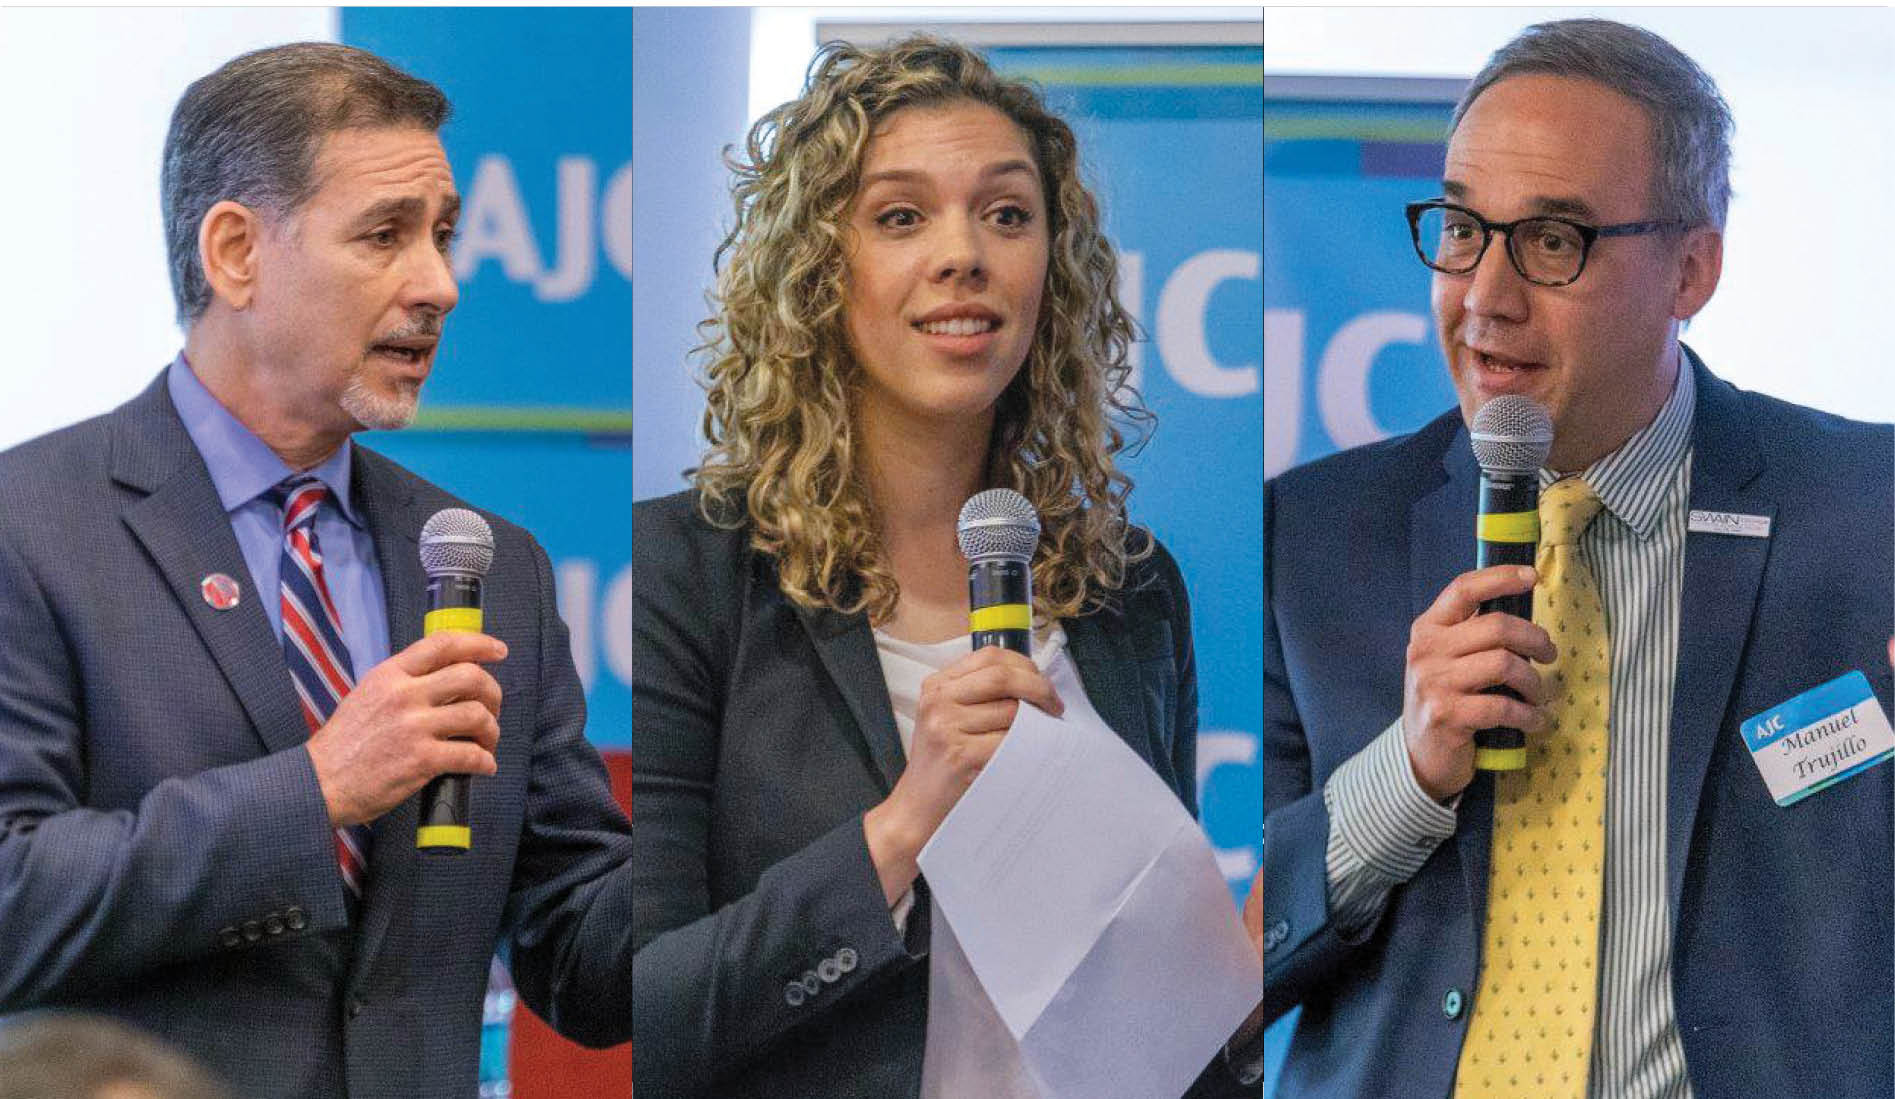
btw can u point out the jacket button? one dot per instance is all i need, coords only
(355, 1006)
(230, 938)
(1274, 936)
(272, 924)
(793, 994)
(828, 971)
(846, 959)
(811, 983)
(294, 919)
(252, 931)
(1452, 1003)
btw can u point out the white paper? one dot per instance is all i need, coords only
(1084, 942)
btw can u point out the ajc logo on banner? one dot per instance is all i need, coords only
(1182, 328)
(495, 226)
(1340, 377)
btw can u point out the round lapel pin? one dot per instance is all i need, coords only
(220, 591)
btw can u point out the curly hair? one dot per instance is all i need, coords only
(784, 452)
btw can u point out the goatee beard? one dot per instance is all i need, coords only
(376, 412)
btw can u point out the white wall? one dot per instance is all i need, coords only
(85, 96)
(1804, 301)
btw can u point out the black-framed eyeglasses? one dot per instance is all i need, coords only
(1547, 251)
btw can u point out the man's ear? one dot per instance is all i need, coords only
(1700, 262)
(229, 244)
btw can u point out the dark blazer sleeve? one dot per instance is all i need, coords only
(709, 983)
(1301, 946)
(93, 898)
(570, 905)
(1184, 717)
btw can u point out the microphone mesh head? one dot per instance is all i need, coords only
(456, 542)
(1511, 434)
(998, 523)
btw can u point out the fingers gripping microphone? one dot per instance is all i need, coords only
(998, 532)
(1512, 437)
(456, 552)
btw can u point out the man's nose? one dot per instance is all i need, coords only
(431, 282)
(1494, 288)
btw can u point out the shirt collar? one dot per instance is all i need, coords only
(242, 466)
(1634, 481)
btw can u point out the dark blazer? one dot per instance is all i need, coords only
(165, 855)
(1780, 918)
(763, 732)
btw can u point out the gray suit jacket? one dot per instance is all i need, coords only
(763, 732)
(165, 856)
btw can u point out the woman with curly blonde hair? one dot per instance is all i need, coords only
(916, 303)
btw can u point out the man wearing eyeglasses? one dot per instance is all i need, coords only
(1685, 891)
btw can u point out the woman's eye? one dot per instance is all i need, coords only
(898, 218)
(1013, 216)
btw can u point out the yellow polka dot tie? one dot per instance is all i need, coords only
(1531, 1029)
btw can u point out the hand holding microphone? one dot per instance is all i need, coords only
(456, 552)
(428, 711)
(968, 706)
(1469, 691)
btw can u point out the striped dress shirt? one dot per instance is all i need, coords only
(1383, 827)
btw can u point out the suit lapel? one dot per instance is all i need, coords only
(1441, 547)
(182, 525)
(846, 647)
(1721, 579)
(386, 501)
(1110, 663)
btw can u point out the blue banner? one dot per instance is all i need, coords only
(528, 412)
(1170, 137)
(1350, 354)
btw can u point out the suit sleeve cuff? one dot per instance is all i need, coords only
(903, 905)
(1382, 828)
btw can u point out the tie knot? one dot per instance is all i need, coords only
(298, 497)
(1567, 506)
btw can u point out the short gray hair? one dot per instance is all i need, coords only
(1691, 123)
(250, 131)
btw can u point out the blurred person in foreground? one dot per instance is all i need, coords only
(72, 1056)
(916, 304)
(1633, 914)
(216, 706)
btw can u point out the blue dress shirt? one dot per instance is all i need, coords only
(244, 468)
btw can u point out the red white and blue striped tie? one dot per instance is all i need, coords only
(318, 660)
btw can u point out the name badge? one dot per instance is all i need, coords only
(1728, 522)
(1819, 738)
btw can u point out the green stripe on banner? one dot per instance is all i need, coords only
(1349, 129)
(1183, 76)
(504, 418)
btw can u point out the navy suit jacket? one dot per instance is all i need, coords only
(165, 855)
(764, 732)
(1780, 917)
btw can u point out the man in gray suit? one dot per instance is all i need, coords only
(215, 706)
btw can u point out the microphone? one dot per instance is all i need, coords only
(998, 532)
(1512, 437)
(456, 552)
